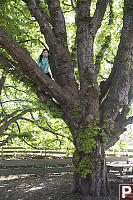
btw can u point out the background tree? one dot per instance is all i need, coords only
(95, 113)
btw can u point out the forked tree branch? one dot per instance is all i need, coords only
(58, 49)
(65, 66)
(14, 68)
(8, 116)
(5, 126)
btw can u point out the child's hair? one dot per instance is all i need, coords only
(41, 56)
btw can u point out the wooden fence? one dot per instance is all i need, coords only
(128, 152)
(35, 166)
(6, 152)
(43, 161)
(21, 151)
(119, 156)
(18, 160)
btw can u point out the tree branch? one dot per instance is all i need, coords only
(33, 40)
(105, 45)
(46, 129)
(126, 108)
(14, 68)
(58, 50)
(121, 121)
(99, 14)
(2, 82)
(13, 120)
(120, 79)
(84, 39)
(118, 130)
(114, 136)
(58, 21)
(101, 53)
(24, 14)
(5, 118)
(31, 69)
(72, 5)
(89, 90)
(22, 137)
(128, 121)
(41, 18)
(5, 141)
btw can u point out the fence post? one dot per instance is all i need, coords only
(44, 165)
(2, 152)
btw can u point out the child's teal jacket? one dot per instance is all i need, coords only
(44, 64)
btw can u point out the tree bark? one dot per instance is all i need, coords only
(93, 183)
(88, 115)
(2, 82)
(90, 176)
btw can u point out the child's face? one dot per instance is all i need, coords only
(45, 53)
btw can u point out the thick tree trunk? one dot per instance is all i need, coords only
(92, 178)
(90, 173)
(89, 123)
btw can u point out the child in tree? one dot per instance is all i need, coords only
(43, 62)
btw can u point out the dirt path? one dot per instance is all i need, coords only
(50, 187)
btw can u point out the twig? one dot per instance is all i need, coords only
(12, 120)
(72, 4)
(45, 129)
(102, 77)
(23, 138)
(10, 86)
(24, 14)
(33, 40)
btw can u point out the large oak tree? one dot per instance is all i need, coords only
(95, 114)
